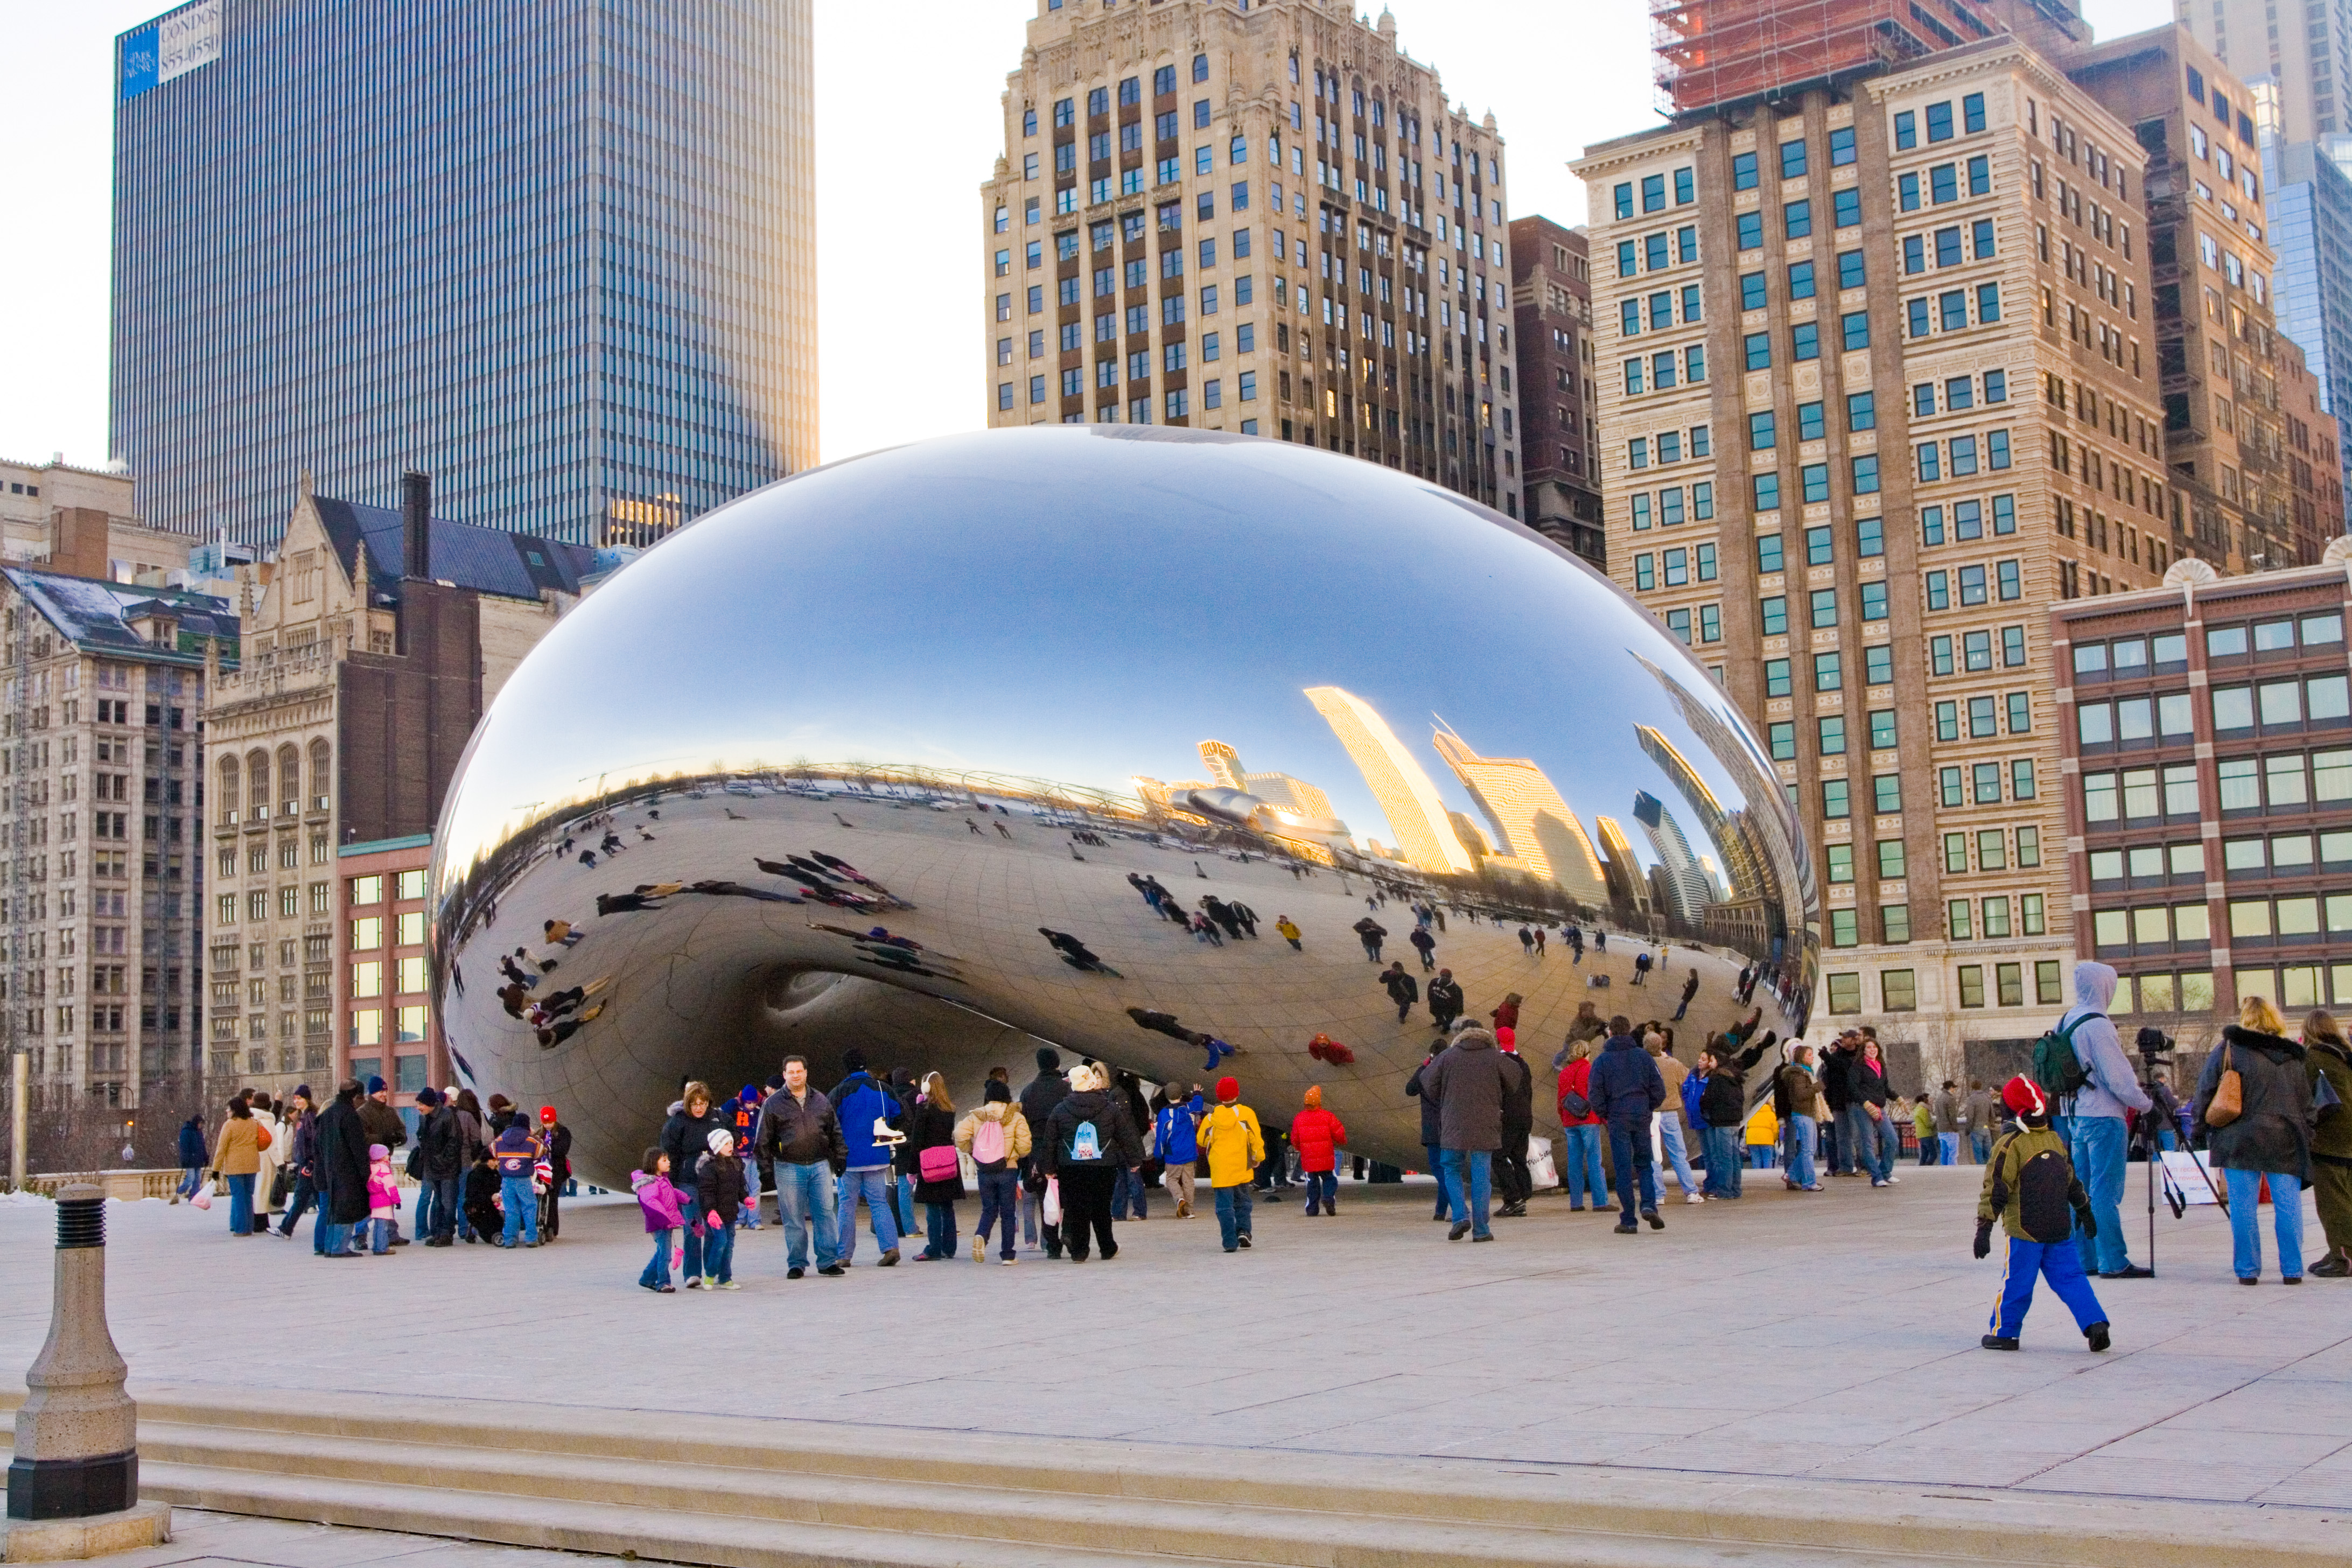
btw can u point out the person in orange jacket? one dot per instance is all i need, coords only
(1318, 1136)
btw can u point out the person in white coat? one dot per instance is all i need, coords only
(280, 1141)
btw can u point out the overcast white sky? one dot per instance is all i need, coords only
(1557, 74)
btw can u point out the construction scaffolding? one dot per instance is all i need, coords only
(1712, 52)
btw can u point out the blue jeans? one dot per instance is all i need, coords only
(2057, 1262)
(1629, 1153)
(1322, 1187)
(2099, 1146)
(1232, 1214)
(331, 1239)
(1473, 1170)
(1980, 1145)
(804, 1199)
(1447, 1201)
(446, 1195)
(718, 1250)
(1128, 1193)
(521, 1206)
(426, 1219)
(1802, 1135)
(656, 1272)
(1948, 1148)
(1878, 1142)
(1000, 1195)
(1721, 1146)
(191, 1178)
(2246, 1221)
(306, 1193)
(1759, 1156)
(379, 1234)
(939, 1230)
(868, 1181)
(905, 1214)
(1583, 1174)
(240, 1204)
(1670, 1137)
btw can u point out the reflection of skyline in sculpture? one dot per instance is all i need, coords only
(1530, 820)
(1763, 830)
(1295, 795)
(1727, 831)
(1424, 837)
(1627, 884)
(1685, 883)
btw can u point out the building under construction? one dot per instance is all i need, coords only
(1716, 53)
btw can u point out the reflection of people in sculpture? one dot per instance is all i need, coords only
(1444, 999)
(738, 890)
(1370, 932)
(1287, 932)
(1075, 952)
(1205, 930)
(624, 903)
(1223, 913)
(1402, 989)
(560, 933)
(549, 1038)
(1426, 945)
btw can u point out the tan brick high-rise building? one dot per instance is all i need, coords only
(1879, 384)
(2213, 270)
(1263, 218)
(1551, 277)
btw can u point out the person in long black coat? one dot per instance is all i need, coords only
(343, 1167)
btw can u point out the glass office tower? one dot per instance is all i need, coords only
(558, 253)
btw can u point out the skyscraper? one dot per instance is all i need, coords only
(1551, 289)
(1424, 836)
(1531, 822)
(1680, 873)
(2310, 58)
(1909, 303)
(1260, 218)
(1295, 795)
(558, 253)
(2309, 199)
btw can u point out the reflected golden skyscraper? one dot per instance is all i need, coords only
(1627, 886)
(1529, 818)
(1416, 815)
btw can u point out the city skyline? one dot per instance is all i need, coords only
(879, 307)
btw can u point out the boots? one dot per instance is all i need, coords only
(2336, 1264)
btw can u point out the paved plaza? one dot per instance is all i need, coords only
(1825, 1339)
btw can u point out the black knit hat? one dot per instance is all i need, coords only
(995, 1092)
(1048, 1059)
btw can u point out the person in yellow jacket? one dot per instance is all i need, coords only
(1763, 1134)
(1235, 1144)
(237, 1158)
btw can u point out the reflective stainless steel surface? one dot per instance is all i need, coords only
(923, 718)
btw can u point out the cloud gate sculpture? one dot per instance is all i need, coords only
(946, 747)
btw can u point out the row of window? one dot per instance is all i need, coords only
(1869, 540)
(1959, 393)
(1851, 274)
(1944, 246)
(1828, 671)
(1669, 510)
(2002, 578)
(1978, 783)
(1664, 309)
(1972, 652)
(1984, 715)
(1177, 403)
(1670, 446)
(1830, 734)
(1764, 429)
(2125, 658)
(1948, 312)
(1899, 988)
(1837, 794)
(1965, 919)
(1957, 456)
(1794, 159)
(1943, 183)
(368, 976)
(1660, 371)
(2286, 854)
(1814, 482)
(1674, 568)
(1805, 341)
(290, 904)
(1656, 252)
(1938, 117)
(1772, 609)
(1654, 193)
(2141, 795)
(1797, 219)
(2285, 781)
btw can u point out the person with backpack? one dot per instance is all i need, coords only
(1318, 1136)
(1234, 1143)
(1090, 1139)
(1038, 1098)
(1582, 1130)
(2080, 1067)
(1176, 1144)
(1796, 1098)
(2032, 1191)
(871, 1117)
(939, 1174)
(996, 1136)
(2254, 1106)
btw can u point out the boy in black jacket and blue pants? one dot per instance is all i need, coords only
(2031, 1188)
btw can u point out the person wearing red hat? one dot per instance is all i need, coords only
(2031, 1190)
(1230, 1137)
(556, 1140)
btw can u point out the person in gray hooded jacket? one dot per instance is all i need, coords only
(2100, 1120)
(1467, 1085)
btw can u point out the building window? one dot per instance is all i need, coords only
(1972, 991)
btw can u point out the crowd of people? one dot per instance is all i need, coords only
(1056, 1164)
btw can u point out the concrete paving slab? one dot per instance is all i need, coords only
(1786, 1336)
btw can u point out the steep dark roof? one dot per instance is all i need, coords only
(487, 559)
(95, 615)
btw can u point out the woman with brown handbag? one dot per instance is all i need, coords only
(2254, 1103)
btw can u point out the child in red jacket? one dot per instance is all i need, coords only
(1318, 1135)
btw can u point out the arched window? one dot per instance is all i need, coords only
(321, 776)
(257, 785)
(228, 791)
(289, 781)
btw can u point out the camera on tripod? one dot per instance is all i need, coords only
(2156, 1047)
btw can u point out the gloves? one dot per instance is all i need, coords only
(2086, 1222)
(716, 1224)
(1984, 1247)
